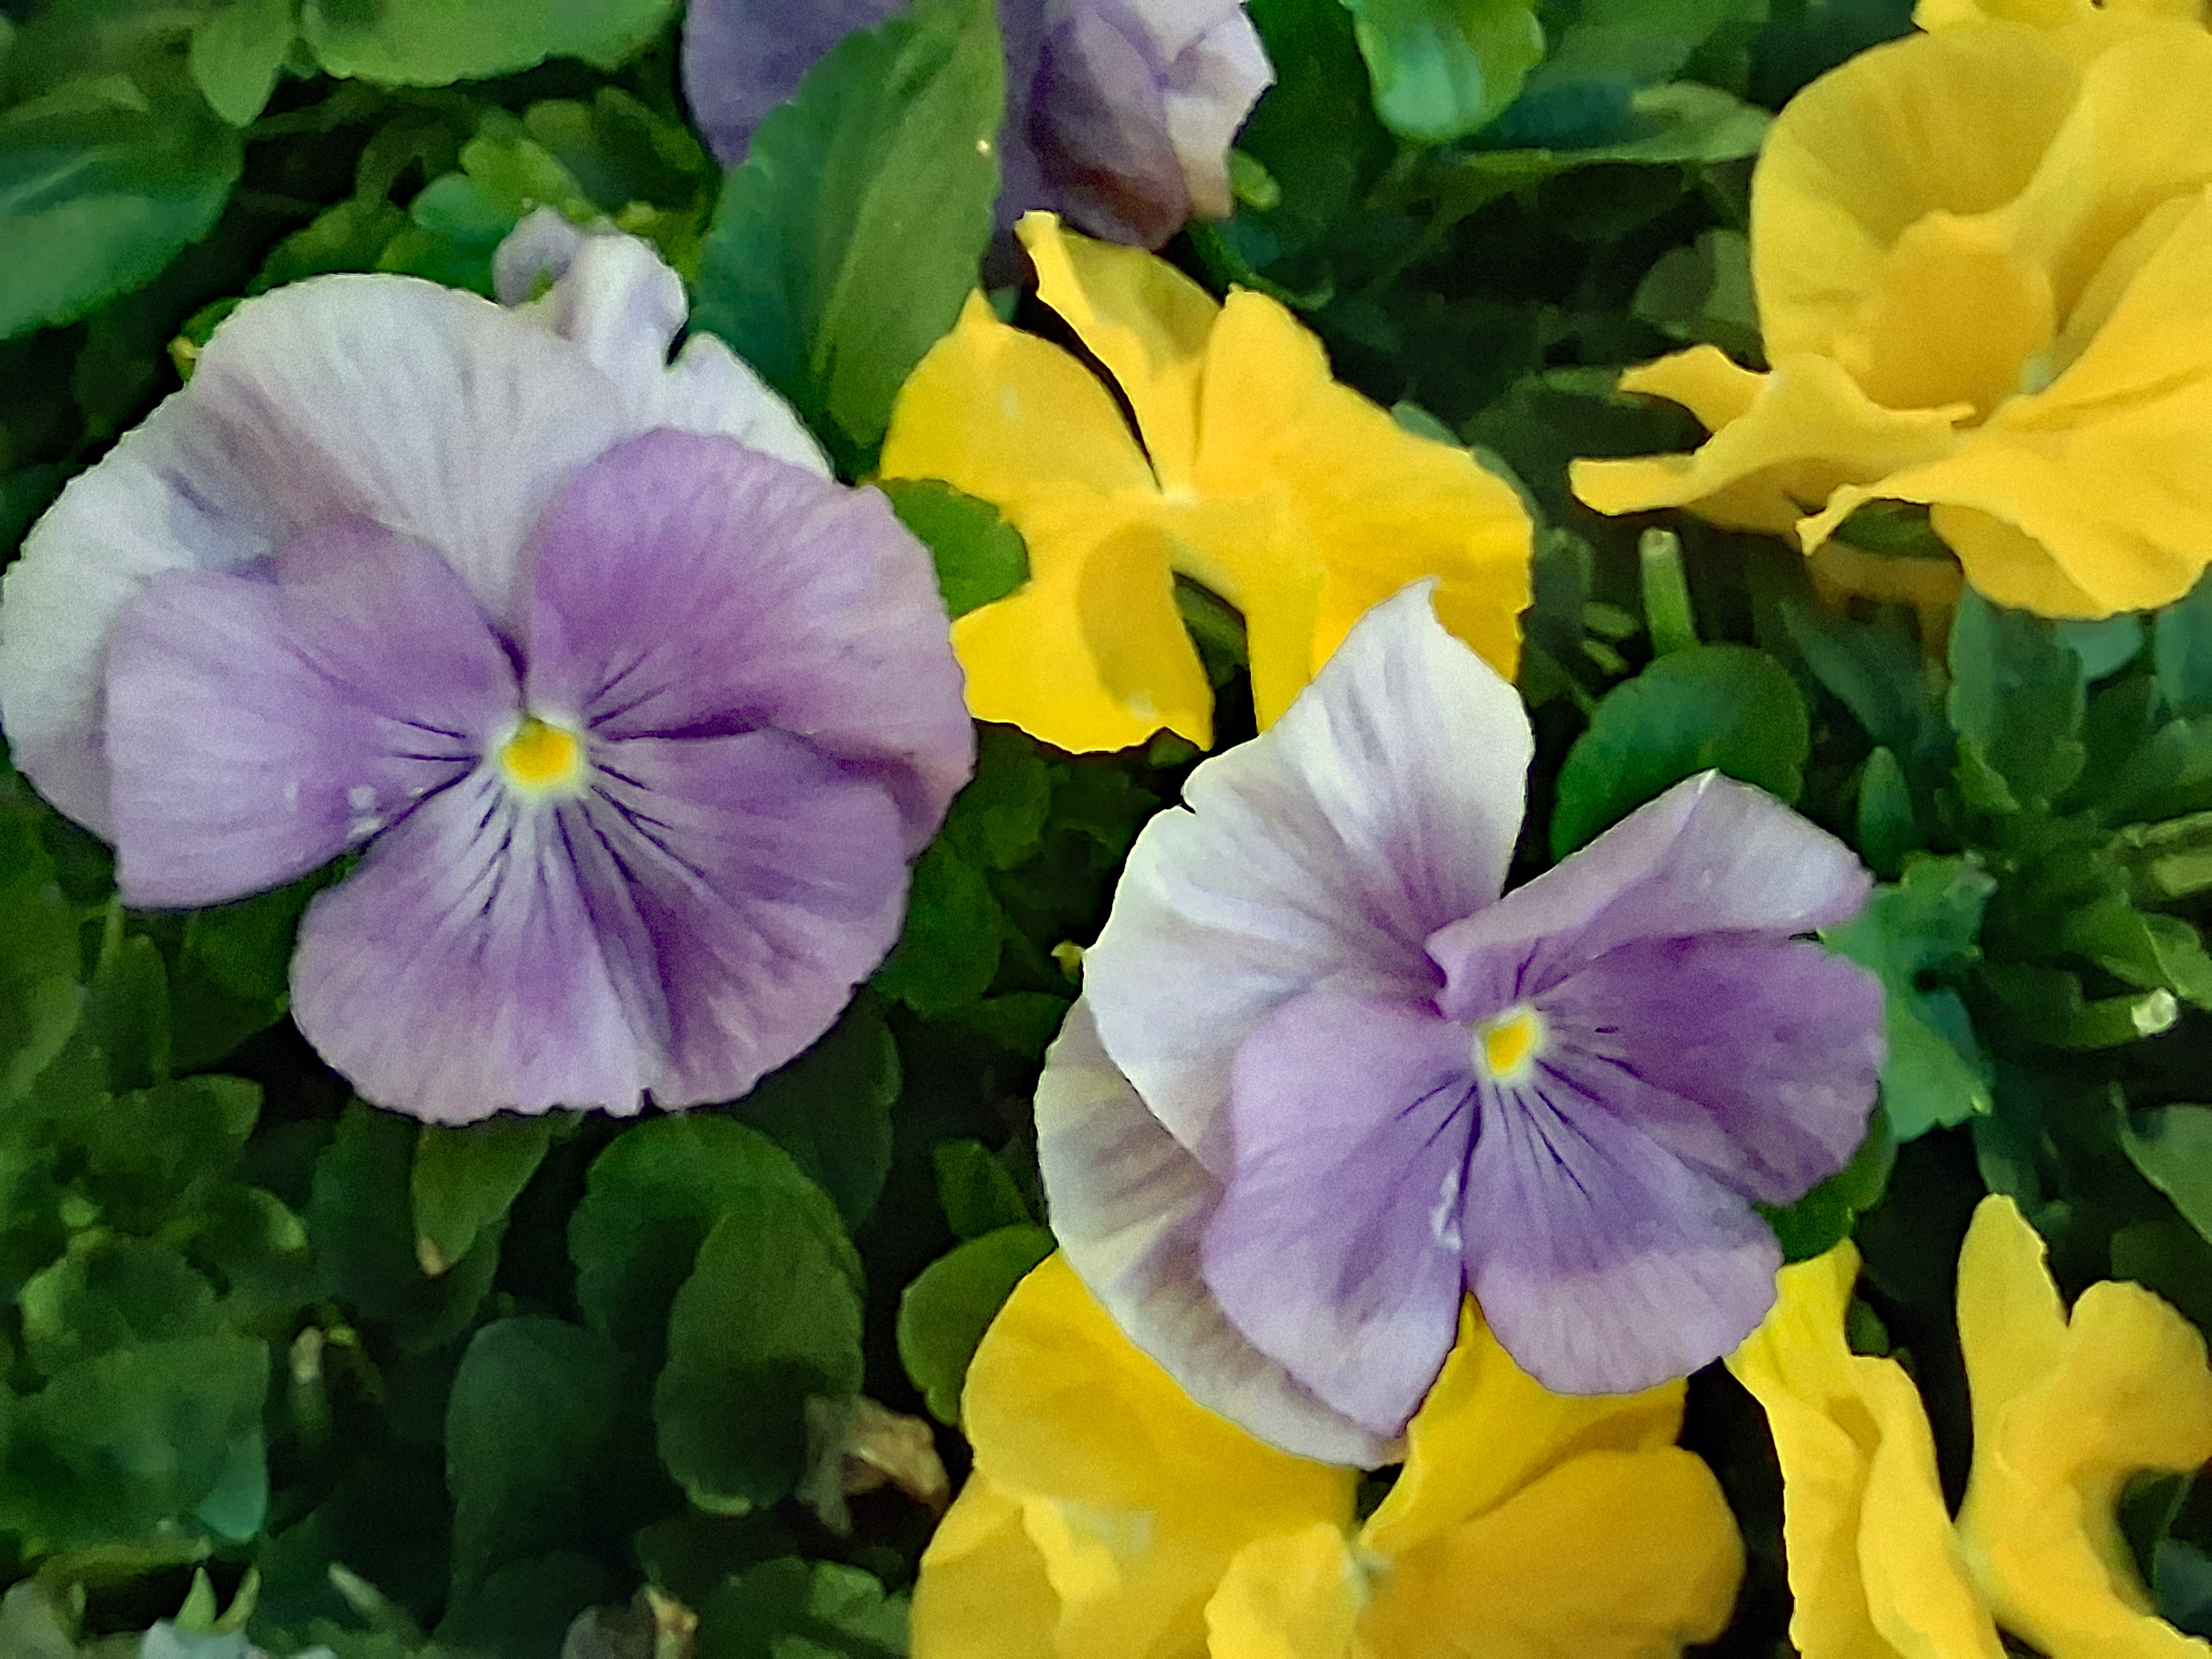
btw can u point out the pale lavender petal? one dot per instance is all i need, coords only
(1336, 1247)
(1756, 1061)
(1321, 854)
(744, 886)
(1134, 108)
(1710, 855)
(1603, 1262)
(1130, 1206)
(260, 724)
(433, 412)
(687, 586)
(460, 970)
(614, 298)
(171, 495)
(742, 57)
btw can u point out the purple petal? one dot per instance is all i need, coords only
(1755, 1062)
(1604, 1263)
(258, 725)
(1319, 855)
(1130, 1206)
(766, 880)
(1134, 109)
(1710, 855)
(460, 970)
(688, 586)
(742, 57)
(1336, 1247)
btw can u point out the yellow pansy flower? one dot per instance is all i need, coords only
(2047, 14)
(1250, 470)
(1983, 257)
(2064, 1411)
(1110, 1517)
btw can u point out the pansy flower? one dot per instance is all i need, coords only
(1109, 1517)
(634, 716)
(2066, 1409)
(2048, 13)
(1323, 1079)
(1983, 259)
(1250, 470)
(1120, 114)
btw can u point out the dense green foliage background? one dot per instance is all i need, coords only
(422, 1391)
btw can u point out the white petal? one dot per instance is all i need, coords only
(614, 298)
(1129, 1206)
(170, 496)
(1384, 805)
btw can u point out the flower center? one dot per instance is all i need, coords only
(1506, 1047)
(539, 757)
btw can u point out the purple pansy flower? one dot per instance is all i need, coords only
(637, 715)
(1323, 1080)
(1120, 114)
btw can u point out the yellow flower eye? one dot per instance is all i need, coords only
(539, 757)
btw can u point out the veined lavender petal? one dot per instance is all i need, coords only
(260, 724)
(1710, 856)
(1321, 855)
(757, 881)
(1755, 1060)
(1130, 1208)
(687, 586)
(462, 968)
(1336, 1247)
(1604, 1263)
(613, 298)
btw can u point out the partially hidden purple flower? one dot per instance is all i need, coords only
(637, 716)
(1120, 114)
(1323, 1080)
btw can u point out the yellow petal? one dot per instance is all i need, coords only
(2064, 1411)
(1954, 122)
(1955, 317)
(1703, 380)
(1136, 1498)
(1874, 1565)
(1143, 318)
(1091, 653)
(1296, 1595)
(1380, 506)
(1488, 1429)
(1809, 431)
(983, 1593)
(1002, 415)
(2044, 13)
(1625, 1554)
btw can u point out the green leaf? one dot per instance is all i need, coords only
(1684, 122)
(133, 1440)
(846, 245)
(532, 1429)
(118, 1294)
(237, 51)
(2181, 651)
(830, 1108)
(2181, 1575)
(432, 43)
(1929, 923)
(361, 1219)
(232, 975)
(157, 1153)
(977, 1194)
(768, 1320)
(41, 1003)
(944, 1313)
(2018, 693)
(1701, 295)
(980, 556)
(127, 1007)
(2172, 1147)
(2049, 1007)
(106, 173)
(1715, 707)
(466, 1178)
(1822, 1218)
(652, 1197)
(795, 1609)
(524, 1611)
(1442, 69)
(954, 930)
(999, 819)
(1887, 829)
